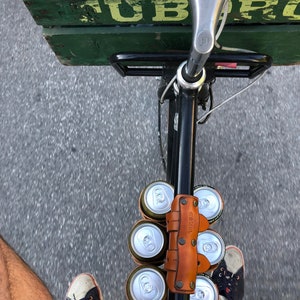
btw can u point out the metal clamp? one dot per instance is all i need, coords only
(189, 85)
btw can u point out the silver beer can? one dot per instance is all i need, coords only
(210, 202)
(146, 283)
(156, 199)
(205, 289)
(211, 245)
(148, 242)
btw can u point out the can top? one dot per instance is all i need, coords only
(210, 244)
(147, 240)
(158, 197)
(147, 284)
(210, 201)
(205, 289)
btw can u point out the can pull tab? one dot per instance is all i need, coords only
(183, 263)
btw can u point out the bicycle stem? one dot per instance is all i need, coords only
(205, 16)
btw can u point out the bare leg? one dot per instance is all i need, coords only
(17, 280)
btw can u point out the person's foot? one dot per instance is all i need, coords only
(229, 275)
(84, 287)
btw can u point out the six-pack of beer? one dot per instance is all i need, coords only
(156, 244)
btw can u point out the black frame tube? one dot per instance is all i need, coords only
(183, 152)
(184, 170)
(171, 143)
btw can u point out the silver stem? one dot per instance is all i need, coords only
(206, 14)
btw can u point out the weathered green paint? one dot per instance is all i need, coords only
(94, 45)
(87, 32)
(122, 12)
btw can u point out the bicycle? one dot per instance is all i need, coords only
(258, 66)
(190, 87)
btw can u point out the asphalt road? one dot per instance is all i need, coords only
(77, 145)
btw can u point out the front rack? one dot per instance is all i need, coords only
(242, 65)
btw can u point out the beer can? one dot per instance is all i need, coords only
(146, 283)
(148, 242)
(210, 244)
(156, 199)
(205, 289)
(210, 202)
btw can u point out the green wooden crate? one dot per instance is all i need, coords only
(88, 32)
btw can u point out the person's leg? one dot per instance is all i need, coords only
(17, 280)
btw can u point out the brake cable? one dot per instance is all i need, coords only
(199, 121)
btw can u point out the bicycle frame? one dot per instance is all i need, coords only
(183, 147)
(183, 106)
(190, 77)
(183, 110)
(182, 168)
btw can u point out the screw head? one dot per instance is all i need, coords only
(183, 201)
(194, 243)
(195, 203)
(192, 285)
(181, 241)
(179, 284)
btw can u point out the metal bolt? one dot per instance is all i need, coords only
(179, 284)
(192, 285)
(196, 203)
(194, 243)
(183, 201)
(181, 241)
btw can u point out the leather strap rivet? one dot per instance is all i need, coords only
(194, 243)
(179, 284)
(181, 241)
(195, 203)
(192, 285)
(183, 201)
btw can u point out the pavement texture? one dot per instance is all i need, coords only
(78, 144)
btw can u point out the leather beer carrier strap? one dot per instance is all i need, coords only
(183, 263)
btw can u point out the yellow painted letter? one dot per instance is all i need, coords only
(265, 7)
(92, 5)
(170, 10)
(289, 10)
(134, 8)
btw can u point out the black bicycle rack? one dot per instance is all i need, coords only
(242, 65)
